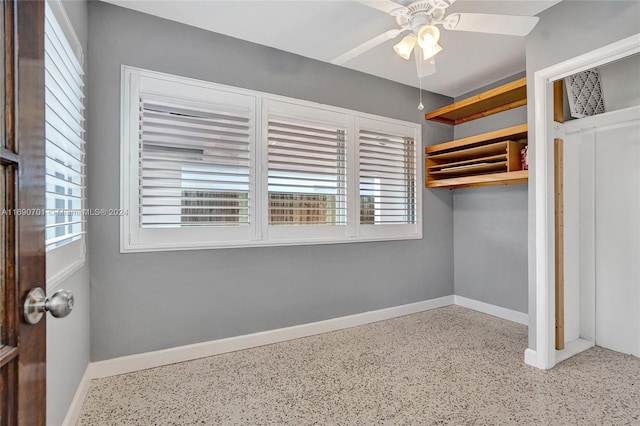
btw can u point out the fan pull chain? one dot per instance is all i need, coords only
(420, 106)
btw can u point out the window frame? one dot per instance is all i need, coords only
(65, 260)
(262, 234)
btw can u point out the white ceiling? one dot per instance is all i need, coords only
(323, 30)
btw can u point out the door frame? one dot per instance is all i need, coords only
(545, 355)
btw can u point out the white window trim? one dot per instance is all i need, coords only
(62, 262)
(260, 238)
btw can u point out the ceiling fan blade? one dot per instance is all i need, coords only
(386, 6)
(493, 24)
(367, 45)
(423, 68)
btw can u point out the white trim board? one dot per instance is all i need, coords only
(496, 311)
(573, 348)
(73, 413)
(530, 357)
(137, 362)
(127, 364)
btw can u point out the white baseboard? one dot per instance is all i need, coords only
(73, 414)
(137, 362)
(531, 358)
(127, 364)
(496, 311)
(572, 348)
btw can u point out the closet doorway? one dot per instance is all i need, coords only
(600, 256)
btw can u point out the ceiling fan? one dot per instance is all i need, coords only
(422, 18)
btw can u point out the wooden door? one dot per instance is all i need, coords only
(22, 255)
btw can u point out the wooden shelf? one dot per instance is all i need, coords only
(503, 98)
(518, 132)
(506, 178)
(491, 158)
(470, 169)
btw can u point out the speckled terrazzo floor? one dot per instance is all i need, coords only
(445, 366)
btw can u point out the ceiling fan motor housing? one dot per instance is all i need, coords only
(421, 13)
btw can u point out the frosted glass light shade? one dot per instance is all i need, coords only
(431, 51)
(405, 47)
(428, 35)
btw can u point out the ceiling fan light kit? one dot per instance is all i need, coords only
(421, 19)
(426, 39)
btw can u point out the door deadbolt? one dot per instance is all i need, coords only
(36, 304)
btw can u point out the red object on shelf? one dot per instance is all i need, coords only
(524, 158)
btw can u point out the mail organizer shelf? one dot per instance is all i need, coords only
(489, 159)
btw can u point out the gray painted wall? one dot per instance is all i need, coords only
(68, 343)
(490, 227)
(149, 301)
(619, 81)
(68, 339)
(567, 30)
(490, 245)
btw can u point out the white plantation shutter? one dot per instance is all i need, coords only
(65, 138)
(388, 181)
(201, 168)
(190, 178)
(194, 164)
(307, 173)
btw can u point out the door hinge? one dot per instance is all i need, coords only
(558, 130)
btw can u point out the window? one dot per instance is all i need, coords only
(193, 164)
(64, 146)
(209, 166)
(307, 171)
(189, 164)
(387, 175)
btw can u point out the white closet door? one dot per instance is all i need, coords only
(617, 238)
